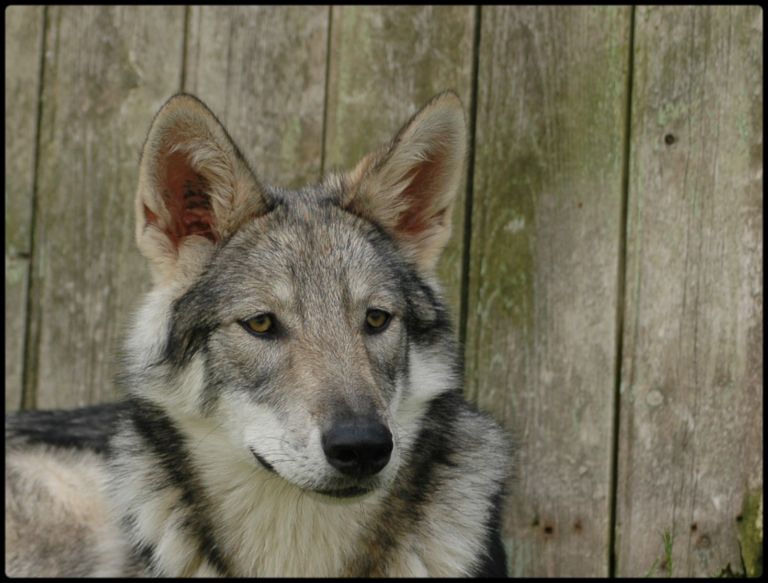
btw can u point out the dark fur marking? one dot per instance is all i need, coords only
(210, 393)
(494, 563)
(190, 326)
(146, 555)
(141, 556)
(85, 428)
(168, 445)
(422, 328)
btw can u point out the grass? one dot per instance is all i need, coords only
(667, 566)
(668, 539)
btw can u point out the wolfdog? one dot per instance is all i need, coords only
(293, 389)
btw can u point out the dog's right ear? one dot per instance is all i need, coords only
(195, 188)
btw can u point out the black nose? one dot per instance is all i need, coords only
(358, 447)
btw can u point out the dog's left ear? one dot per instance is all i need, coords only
(409, 187)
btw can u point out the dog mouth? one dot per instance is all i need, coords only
(350, 492)
(264, 462)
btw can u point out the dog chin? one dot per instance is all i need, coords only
(343, 494)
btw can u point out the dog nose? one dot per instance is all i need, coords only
(359, 447)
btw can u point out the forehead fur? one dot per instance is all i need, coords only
(308, 246)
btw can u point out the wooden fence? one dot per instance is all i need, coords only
(606, 269)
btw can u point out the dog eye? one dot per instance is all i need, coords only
(377, 320)
(260, 325)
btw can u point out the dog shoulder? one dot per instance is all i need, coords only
(471, 460)
(58, 518)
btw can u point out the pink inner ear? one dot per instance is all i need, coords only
(187, 197)
(422, 211)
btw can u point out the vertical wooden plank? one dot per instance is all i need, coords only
(690, 457)
(262, 71)
(23, 46)
(107, 71)
(385, 63)
(542, 310)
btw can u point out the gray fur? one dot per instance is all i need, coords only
(213, 465)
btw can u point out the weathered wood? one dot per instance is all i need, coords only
(385, 63)
(542, 311)
(16, 276)
(262, 70)
(545, 240)
(691, 439)
(107, 71)
(23, 51)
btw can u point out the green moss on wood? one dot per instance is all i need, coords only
(751, 533)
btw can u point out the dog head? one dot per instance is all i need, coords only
(305, 325)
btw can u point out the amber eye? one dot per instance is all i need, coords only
(377, 320)
(261, 324)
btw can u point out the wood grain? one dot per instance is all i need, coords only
(304, 89)
(385, 63)
(107, 71)
(23, 46)
(691, 436)
(262, 71)
(542, 314)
